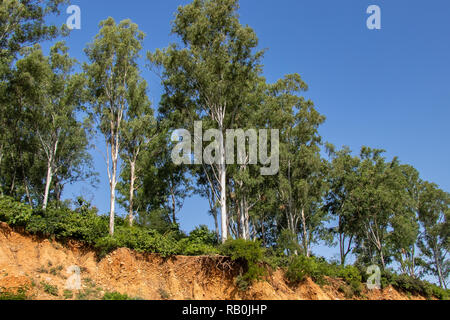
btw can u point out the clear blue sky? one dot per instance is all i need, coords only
(387, 88)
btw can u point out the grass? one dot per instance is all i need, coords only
(48, 288)
(20, 294)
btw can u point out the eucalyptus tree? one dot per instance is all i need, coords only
(209, 76)
(378, 197)
(301, 181)
(57, 124)
(20, 144)
(22, 24)
(139, 131)
(434, 240)
(405, 224)
(50, 96)
(112, 69)
(342, 179)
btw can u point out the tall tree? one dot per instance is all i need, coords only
(138, 133)
(342, 179)
(112, 70)
(434, 243)
(55, 114)
(378, 197)
(22, 24)
(48, 97)
(405, 225)
(302, 169)
(209, 77)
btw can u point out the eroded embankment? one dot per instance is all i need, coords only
(42, 265)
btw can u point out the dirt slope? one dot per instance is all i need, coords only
(42, 265)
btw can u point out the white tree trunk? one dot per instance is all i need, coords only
(112, 203)
(305, 234)
(47, 183)
(114, 156)
(223, 189)
(131, 200)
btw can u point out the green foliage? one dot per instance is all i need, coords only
(24, 24)
(19, 294)
(13, 212)
(414, 285)
(138, 239)
(301, 267)
(249, 254)
(48, 288)
(85, 225)
(116, 296)
(201, 241)
(317, 269)
(64, 223)
(68, 294)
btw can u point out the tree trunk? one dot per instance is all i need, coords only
(223, 189)
(114, 155)
(112, 204)
(1, 154)
(247, 223)
(382, 258)
(47, 184)
(305, 234)
(438, 268)
(174, 205)
(131, 199)
(216, 224)
(342, 248)
(58, 188)
(242, 222)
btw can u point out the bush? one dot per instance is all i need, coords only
(201, 241)
(19, 294)
(301, 267)
(249, 254)
(83, 224)
(116, 296)
(48, 288)
(203, 235)
(138, 239)
(14, 213)
(352, 276)
(407, 283)
(63, 223)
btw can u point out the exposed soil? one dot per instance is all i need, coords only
(43, 265)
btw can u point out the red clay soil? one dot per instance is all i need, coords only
(41, 265)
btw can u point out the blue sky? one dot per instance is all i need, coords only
(387, 88)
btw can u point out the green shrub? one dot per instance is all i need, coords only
(138, 239)
(347, 291)
(14, 213)
(190, 248)
(48, 288)
(63, 223)
(201, 241)
(301, 267)
(203, 235)
(68, 294)
(249, 254)
(19, 294)
(116, 296)
(352, 276)
(409, 284)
